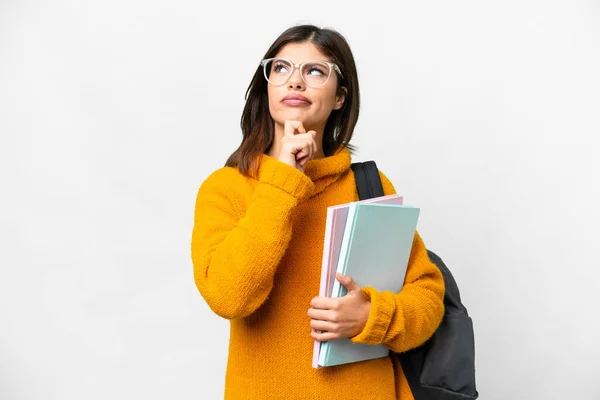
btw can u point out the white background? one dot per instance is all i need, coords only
(485, 114)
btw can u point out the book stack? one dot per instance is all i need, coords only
(370, 241)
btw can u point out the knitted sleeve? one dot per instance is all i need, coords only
(236, 252)
(405, 320)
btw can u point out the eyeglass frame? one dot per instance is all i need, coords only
(332, 67)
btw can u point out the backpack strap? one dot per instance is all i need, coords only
(368, 182)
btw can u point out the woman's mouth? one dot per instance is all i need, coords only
(295, 100)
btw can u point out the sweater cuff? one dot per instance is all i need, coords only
(383, 307)
(284, 177)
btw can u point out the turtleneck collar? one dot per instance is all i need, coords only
(324, 171)
(321, 172)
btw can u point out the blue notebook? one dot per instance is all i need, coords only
(374, 252)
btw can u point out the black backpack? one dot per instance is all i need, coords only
(444, 367)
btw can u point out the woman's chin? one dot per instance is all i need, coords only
(295, 116)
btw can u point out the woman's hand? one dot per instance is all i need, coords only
(296, 147)
(336, 318)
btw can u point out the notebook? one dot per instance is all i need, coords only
(375, 249)
(334, 231)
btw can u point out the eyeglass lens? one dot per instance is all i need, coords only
(314, 73)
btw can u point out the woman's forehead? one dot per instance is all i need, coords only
(300, 52)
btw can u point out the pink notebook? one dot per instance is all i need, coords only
(334, 232)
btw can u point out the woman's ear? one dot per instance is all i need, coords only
(340, 98)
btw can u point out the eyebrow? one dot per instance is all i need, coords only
(308, 59)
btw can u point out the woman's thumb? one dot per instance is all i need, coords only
(348, 282)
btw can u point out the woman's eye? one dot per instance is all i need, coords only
(279, 68)
(316, 70)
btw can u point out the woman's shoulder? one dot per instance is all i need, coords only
(226, 180)
(225, 174)
(388, 186)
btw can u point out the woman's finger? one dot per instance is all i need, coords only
(323, 336)
(322, 315)
(324, 303)
(313, 141)
(300, 128)
(302, 149)
(292, 127)
(322, 325)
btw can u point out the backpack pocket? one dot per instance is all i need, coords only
(449, 366)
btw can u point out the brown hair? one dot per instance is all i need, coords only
(256, 122)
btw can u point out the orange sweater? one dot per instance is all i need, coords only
(256, 249)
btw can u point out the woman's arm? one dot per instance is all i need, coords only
(407, 319)
(235, 256)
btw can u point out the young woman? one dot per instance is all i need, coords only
(259, 228)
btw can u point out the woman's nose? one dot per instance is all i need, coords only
(296, 81)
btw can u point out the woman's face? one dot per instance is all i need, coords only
(315, 104)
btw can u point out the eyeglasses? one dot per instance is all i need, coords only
(314, 73)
